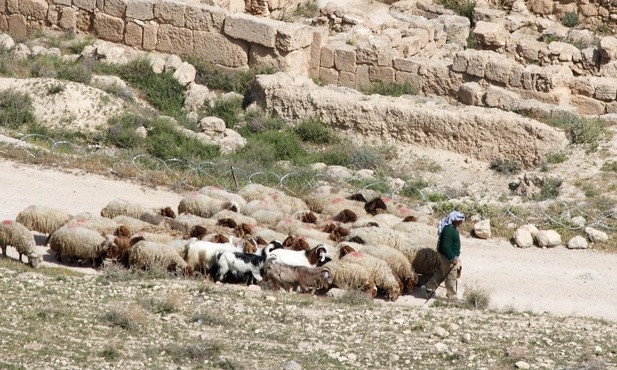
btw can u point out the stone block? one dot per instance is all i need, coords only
(461, 60)
(67, 19)
(608, 48)
(221, 50)
(170, 11)
(13, 6)
(476, 64)
(174, 40)
(611, 107)
(293, 36)
(497, 97)
(587, 106)
(53, 16)
(542, 7)
(133, 34)
(492, 35)
(409, 46)
(33, 9)
(218, 18)
(471, 93)
(87, 5)
(383, 74)
(329, 76)
(255, 30)
(564, 52)
(108, 28)
(457, 28)
(150, 37)
(61, 2)
(17, 26)
(142, 10)
(498, 70)
(198, 17)
(347, 79)
(405, 65)
(605, 88)
(115, 8)
(531, 49)
(362, 77)
(4, 24)
(345, 58)
(295, 62)
(320, 36)
(84, 20)
(327, 56)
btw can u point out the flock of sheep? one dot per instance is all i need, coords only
(329, 238)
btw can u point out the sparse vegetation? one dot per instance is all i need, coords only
(570, 19)
(308, 9)
(389, 88)
(549, 189)
(504, 166)
(314, 131)
(15, 109)
(476, 299)
(580, 130)
(463, 8)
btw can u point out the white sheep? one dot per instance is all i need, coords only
(313, 257)
(244, 265)
(74, 242)
(133, 224)
(218, 193)
(351, 276)
(203, 205)
(19, 237)
(94, 222)
(43, 219)
(267, 217)
(239, 218)
(378, 268)
(379, 236)
(268, 234)
(121, 207)
(257, 191)
(201, 255)
(151, 255)
(187, 222)
(269, 198)
(322, 195)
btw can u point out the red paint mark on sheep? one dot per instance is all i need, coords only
(7, 222)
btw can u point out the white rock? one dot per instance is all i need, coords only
(533, 230)
(482, 229)
(548, 238)
(212, 125)
(577, 242)
(158, 64)
(185, 73)
(6, 41)
(578, 221)
(522, 365)
(441, 347)
(196, 96)
(441, 332)
(466, 338)
(523, 238)
(172, 62)
(595, 235)
(21, 51)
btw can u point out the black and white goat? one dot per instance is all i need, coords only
(244, 266)
(315, 257)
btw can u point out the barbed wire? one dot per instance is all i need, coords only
(231, 177)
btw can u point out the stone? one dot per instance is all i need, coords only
(108, 28)
(491, 35)
(133, 34)
(185, 74)
(531, 49)
(523, 238)
(196, 96)
(345, 58)
(140, 9)
(456, 27)
(221, 50)
(150, 38)
(17, 26)
(172, 62)
(595, 235)
(522, 365)
(291, 365)
(564, 51)
(471, 93)
(170, 12)
(497, 97)
(110, 53)
(577, 242)
(33, 9)
(174, 40)
(605, 88)
(608, 48)
(104, 81)
(548, 238)
(440, 347)
(578, 221)
(6, 41)
(339, 172)
(68, 19)
(212, 125)
(87, 5)
(294, 36)
(587, 106)
(262, 31)
(482, 229)
(115, 8)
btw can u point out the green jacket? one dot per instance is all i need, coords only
(449, 242)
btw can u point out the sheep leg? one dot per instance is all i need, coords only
(20, 255)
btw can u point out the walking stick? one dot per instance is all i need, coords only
(444, 278)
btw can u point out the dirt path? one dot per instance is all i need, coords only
(559, 281)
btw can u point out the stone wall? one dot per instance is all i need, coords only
(482, 133)
(227, 39)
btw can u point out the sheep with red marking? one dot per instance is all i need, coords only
(295, 278)
(351, 276)
(75, 243)
(204, 206)
(94, 222)
(378, 268)
(147, 255)
(43, 219)
(19, 237)
(222, 194)
(244, 266)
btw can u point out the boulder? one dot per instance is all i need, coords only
(608, 48)
(595, 235)
(6, 41)
(578, 221)
(523, 238)
(482, 229)
(577, 242)
(491, 35)
(548, 238)
(185, 73)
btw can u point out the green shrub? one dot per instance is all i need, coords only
(463, 8)
(165, 141)
(195, 353)
(272, 146)
(55, 88)
(580, 130)
(476, 299)
(549, 189)
(389, 88)
(610, 166)
(162, 90)
(218, 79)
(353, 298)
(412, 189)
(570, 19)
(257, 122)
(309, 9)
(76, 72)
(312, 130)
(16, 109)
(548, 38)
(121, 130)
(78, 46)
(505, 166)
(229, 110)
(556, 158)
(50, 66)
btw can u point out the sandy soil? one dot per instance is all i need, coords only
(558, 281)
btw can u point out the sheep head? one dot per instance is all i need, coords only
(309, 218)
(227, 222)
(122, 231)
(34, 260)
(345, 250)
(198, 232)
(357, 197)
(373, 206)
(231, 206)
(220, 238)
(249, 247)
(346, 216)
(410, 219)
(168, 212)
(319, 255)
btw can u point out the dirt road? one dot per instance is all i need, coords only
(557, 281)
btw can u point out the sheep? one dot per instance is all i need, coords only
(426, 261)
(316, 256)
(268, 234)
(203, 205)
(377, 268)
(75, 242)
(257, 191)
(259, 196)
(120, 245)
(151, 255)
(296, 244)
(244, 265)
(94, 222)
(239, 218)
(121, 207)
(306, 216)
(291, 278)
(268, 217)
(43, 219)
(319, 196)
(345, 216)
(201, 255)
(375, 206)
(397, 208)
(18, 236)
(187, 221)
(158, 237)
(396, 260)
(351, 276)
(423, 234)
(379, 236)
(132, 224)
(221, 194)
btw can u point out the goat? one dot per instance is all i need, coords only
(301, 278)
(244, 265)
(309, 258)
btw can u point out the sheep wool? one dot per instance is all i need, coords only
(426, 261)
(147, 255)
(268, 217)
(134, 225)
(121, 207)
(322, 195)
(187, 222)
(379, 270)
(239, 218)
(42, 219)
(19, 237)
(204, 206)
(75, 242)
(222, 194)
(94, 222)
(257, 191)
(351, 276)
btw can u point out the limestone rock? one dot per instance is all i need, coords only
(533, 230)
(6, 41)
(482, 229)
(548, 238)
(608, 48)
(578, 221)
(212, 125)
(185, 73)
(491, 35)
(196, 96)
(595, 235)
(577, 242)
(523, 238)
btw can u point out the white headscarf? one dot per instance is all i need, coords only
(452, 216)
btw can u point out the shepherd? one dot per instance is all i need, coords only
(449, 248)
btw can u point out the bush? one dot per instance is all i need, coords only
(579, 130)
(463, 8)
(121, 131)
(570, 19)
(308, 9)
(272, 146)
(229, 110)
(610, 166)
(217, 79)
(549, 189)
(314, 131)
(165, 141)
(505, 166)
(257, 122)
(15, 109)
(389, 88)
(556, 158)
(476, 299)
(412, 189)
